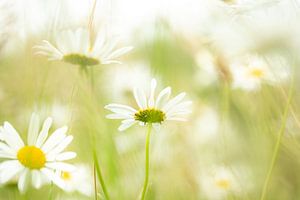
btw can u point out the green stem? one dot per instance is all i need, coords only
(95, 182)
(100, 177)
(147, 162)
(50, 197)
(277, 145)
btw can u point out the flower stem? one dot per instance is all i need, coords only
(50, 197)
(100, 177)
(95, 181)
(278, 142)
(90, 24)
(147, 162)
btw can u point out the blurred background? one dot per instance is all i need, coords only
(202, 47)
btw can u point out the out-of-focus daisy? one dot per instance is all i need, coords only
(251, 72)
(37, 160)
(75, 47)
(78, 180)
(219, 183)
(151, 111)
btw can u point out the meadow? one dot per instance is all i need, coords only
(149, 100)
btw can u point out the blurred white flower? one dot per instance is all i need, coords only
(8, 22)
(218, 183)
(251, 71)
(36, 161)
(75, 47)
(151, 111)
(80, 180)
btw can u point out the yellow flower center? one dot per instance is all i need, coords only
(31, 157)
(66, 176)
(81, 60)
(223, 184)
(230, 1)
(257, 73)
(150, 115)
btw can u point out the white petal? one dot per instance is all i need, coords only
(8, 150)
(106, 62)
(23, 182)
(36, 178)
(126, 125)
(4, 154)
(66, 156)
(162, 97)
(98, 45)
(183, 106)
(60, 147)
(173, 101)
(119, 52)
(55, 139)
(119, 116)
(140, 98)
(152, 93)
(11, 137)
(1, 133)
(9, 169)
(108, 47)
(177, 119)
(33, 129)
(53, 177)
(174, 114)
(119, 108)
(44, 132)
(61, 166)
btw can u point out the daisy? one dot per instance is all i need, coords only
(78, 180)
(219, 182)
(249, 73)
(151, 110)
(75, 47)
(36, 161)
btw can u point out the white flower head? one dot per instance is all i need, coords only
(251, 72)
(151, 110)
(219, 182)
(79, 180)
(37, 160)
(74, 46)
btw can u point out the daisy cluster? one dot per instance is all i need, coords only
(42, 159)
(225, 56)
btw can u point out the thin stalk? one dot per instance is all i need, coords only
(278, 142)
(225, 112)
(100, 177)
(90, 24)
(95, 182)
(50, 197)
(147, 162)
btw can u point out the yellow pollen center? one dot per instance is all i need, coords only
(31, 157)
(223, 183)
(66, 176)
(257, 73)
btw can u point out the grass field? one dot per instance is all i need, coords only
(234, 135)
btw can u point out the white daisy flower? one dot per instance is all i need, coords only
(78, 180)
(219, 182)
(75, 47)
(36, 161)
(251, 72)
(151, 111)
